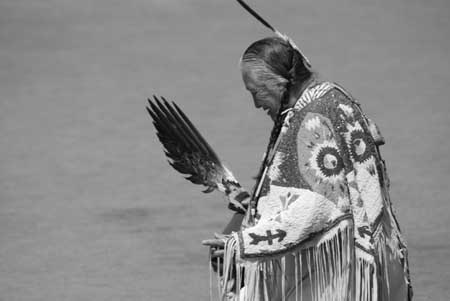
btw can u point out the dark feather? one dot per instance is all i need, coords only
(187, 150)
(256, 15)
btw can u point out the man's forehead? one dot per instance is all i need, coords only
(251, 78)
(253, 72)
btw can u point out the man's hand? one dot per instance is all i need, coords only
(216, 250)
(216, 244)
(238, 198)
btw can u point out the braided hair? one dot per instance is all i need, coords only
(276, 63)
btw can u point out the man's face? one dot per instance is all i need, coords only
(265, 96)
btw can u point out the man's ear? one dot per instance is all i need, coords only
(282, 86)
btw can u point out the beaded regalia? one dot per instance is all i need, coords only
(319, 224)
(323, 228)
(321, 220)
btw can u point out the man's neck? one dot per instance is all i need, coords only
(298, 88)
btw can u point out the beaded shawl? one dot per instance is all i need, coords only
(323, 226)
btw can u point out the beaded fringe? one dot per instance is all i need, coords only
(320, 271)
(366, 286)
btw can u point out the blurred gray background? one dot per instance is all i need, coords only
(89, 207)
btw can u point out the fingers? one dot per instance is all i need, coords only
(246, 202)
(217, 253)
(213, 242)
(216, 245)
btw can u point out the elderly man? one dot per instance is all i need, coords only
(320, 225)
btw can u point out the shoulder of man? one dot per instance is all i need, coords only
(331, 98)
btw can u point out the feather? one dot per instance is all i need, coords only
(187, 150)
(256, 15)
(267, 24)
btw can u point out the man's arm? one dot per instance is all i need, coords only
(234, 224)
(306, 213)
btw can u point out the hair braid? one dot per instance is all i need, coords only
(276, 62)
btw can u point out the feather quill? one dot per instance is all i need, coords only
(269, 26)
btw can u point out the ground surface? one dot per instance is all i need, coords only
(89, 208)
